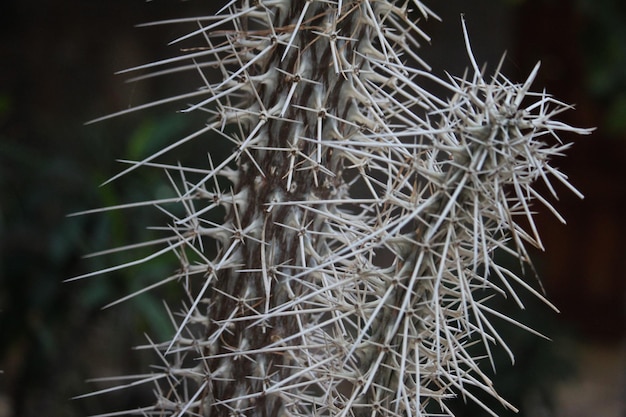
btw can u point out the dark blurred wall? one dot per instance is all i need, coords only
(585, 261)
(582, 46)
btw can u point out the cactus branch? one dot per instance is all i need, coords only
(362, 215)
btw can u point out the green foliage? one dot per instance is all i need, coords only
(603, 38)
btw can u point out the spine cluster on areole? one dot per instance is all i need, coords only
(362, 216)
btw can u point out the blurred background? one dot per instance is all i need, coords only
(57, 65)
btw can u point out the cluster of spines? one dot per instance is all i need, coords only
(362, 216)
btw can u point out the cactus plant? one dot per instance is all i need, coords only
(362, 215)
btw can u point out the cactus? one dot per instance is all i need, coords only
(362, 215)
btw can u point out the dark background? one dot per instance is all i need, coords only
(57, 65)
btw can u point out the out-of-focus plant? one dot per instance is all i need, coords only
(604, 44)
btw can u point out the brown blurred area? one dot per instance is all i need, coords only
(584, 266)
(57, 64)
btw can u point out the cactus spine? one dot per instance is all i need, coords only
(362, 216)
